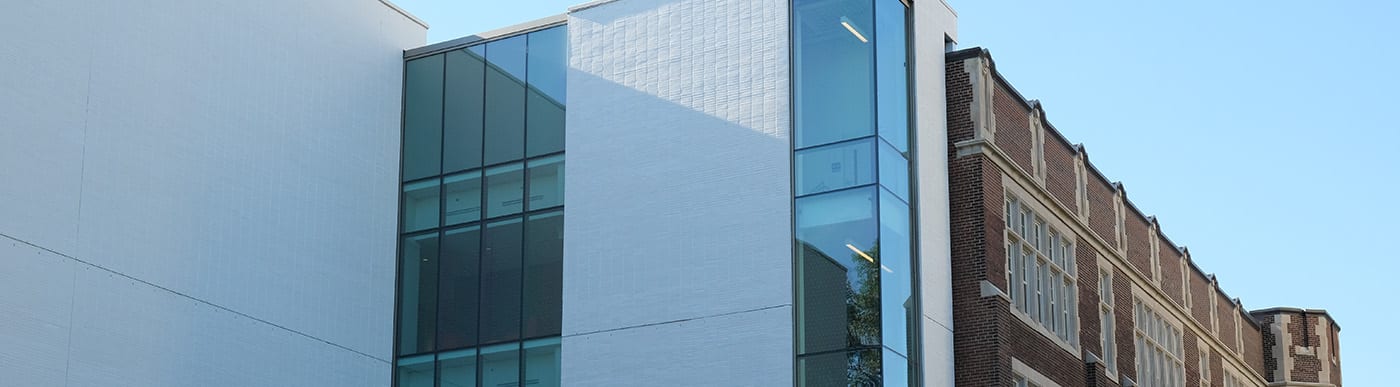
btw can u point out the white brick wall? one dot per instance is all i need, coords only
(232, 163)
(678, 255)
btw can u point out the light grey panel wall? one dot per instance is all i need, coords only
(128, 333)
(933, 21)
(44, 65)
(679, 202)
(240, 154)
(716, 351)
(36, 302)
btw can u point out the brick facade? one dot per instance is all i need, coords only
(993, 139)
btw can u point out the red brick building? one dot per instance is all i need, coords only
(1059, 280)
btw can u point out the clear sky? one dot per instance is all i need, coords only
(1263, 135)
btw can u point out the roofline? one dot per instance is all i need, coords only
(1289, 309)
(405, 13)
(496, 34)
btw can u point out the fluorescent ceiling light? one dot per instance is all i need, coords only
(846, 22)
(867, 257)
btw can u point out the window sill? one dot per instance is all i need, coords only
(1065, 345)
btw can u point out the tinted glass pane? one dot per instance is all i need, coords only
(897, 302)
(547, 182)
(894, 171)
(500, 366)
(457, 369)
(500, 282)
(505, 100)
(542, 363)
(545, 99)
(544, 266)
(896, 370)
(834, 80)
(545, 125)
(463, 200)
(856, 368)
(463, 110)
(839, 278)
(836, 166)
(459, 284)
(422, 119)
(416, 371)
(504, 187)
(548, 61)
(420, 205)
(892, 75)
(418, 266)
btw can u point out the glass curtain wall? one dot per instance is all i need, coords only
(482, 219)
(851, 144)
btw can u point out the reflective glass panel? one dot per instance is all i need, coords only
(894, 171)
(838, 253)
(505, 186)
(463, 111)
(542, 363)
(463, 199)
(546, 182)
(834, 74)
(544, 273)
(855, 368)
(896, 298)
(418, 278)
(416, 371)
(896, 370)
(892, 73)
(422, 118)
(457, 369)
(548, 63)
(459, 286)
(500, 365)
(420, 205)
(505, 100)
(836, 166)
(500, 282)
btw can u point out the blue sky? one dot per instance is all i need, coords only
(1263, 135)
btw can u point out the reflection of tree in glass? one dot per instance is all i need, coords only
(863, 316)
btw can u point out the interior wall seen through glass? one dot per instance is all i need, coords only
(459, 288)
(834, 75)
(501, 259)
(418, 267)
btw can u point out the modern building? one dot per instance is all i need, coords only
(633, 193)
(199, 193)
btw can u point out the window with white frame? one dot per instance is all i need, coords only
(1158, 346)
(1106, 322)
(1040, 271)
(1231, 380)
(1020, 381)
(1205, 367)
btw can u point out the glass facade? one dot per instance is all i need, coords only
(857, 317)
(481, 251)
